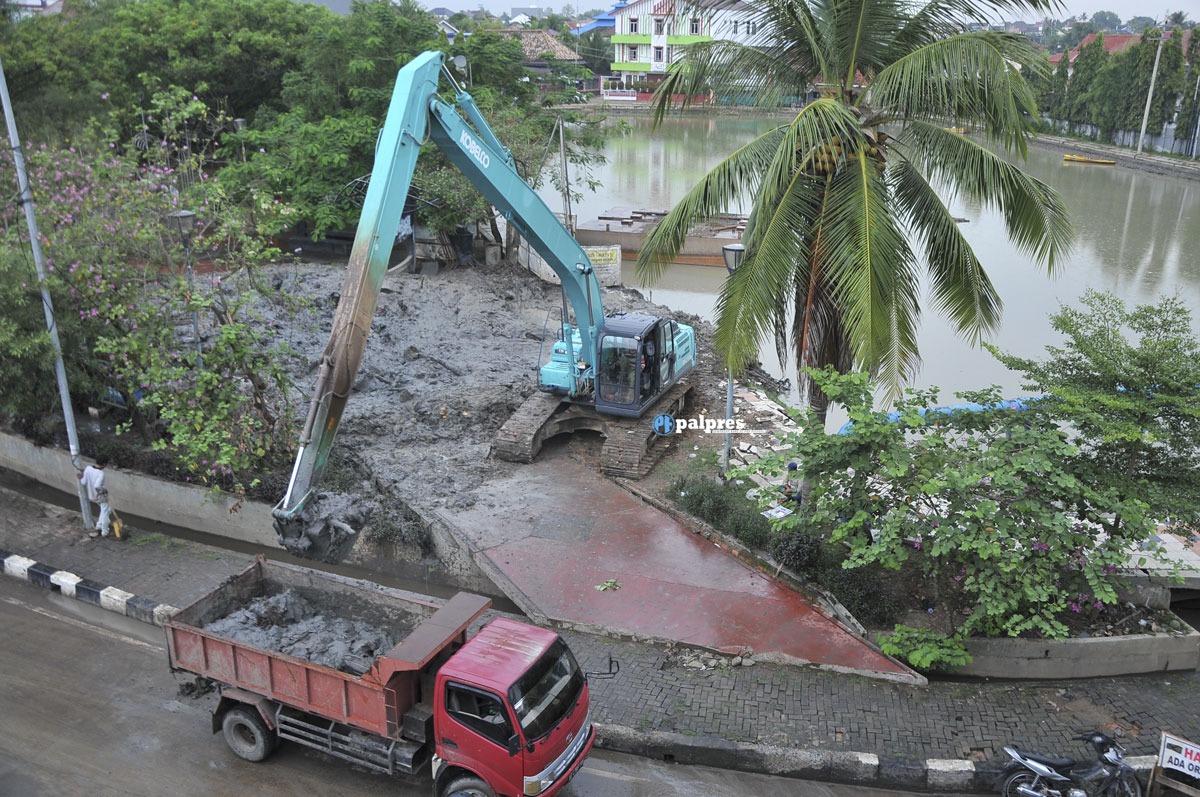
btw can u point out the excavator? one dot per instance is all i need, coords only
(604, 373)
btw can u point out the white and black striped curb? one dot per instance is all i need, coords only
(867, 769)
(828, 766)
(86, 590)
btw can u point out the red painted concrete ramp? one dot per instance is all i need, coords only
(557, 529)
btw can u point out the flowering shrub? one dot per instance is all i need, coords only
(125, 296)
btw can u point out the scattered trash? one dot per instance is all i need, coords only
(612, 583)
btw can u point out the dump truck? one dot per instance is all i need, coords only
(398, 685)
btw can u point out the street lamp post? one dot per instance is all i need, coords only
(733, 254)
(184, 222)
(239, 125)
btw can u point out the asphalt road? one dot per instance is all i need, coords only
(90, 708)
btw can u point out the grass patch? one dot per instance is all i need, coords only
(157, 538)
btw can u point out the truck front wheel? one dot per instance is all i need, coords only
(247, 734)
(469, 786)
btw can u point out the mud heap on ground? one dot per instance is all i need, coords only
(449, 358)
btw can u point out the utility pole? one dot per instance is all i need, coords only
(39, 262)
(1162, 34)
(1195, 111)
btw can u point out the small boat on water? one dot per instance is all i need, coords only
(1086, 159)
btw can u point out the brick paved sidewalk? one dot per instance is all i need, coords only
(769, 718)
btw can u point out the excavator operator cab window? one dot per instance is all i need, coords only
(618, 369)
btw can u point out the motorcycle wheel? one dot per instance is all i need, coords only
(1009, 789)
(1127, 786)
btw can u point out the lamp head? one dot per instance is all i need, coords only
(184, 222)
(733, 254)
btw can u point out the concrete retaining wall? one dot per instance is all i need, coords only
(222, 515)
(1082, 658)
(145, 496)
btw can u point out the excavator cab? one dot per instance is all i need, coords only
(637, 362)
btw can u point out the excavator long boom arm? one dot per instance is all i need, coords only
(415, 113)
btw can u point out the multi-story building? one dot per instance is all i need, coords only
(648, 35)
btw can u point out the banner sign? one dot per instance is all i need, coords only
(1180, 755)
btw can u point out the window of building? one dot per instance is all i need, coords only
(658, 55)
(659, 25)
(633, 54)
(633, 24)
(695, 26)
(735, 24)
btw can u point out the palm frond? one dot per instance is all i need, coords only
(1034, 215)
(735, 177)
(872, 271)
(732, 69)
(961, 288)
(973, 77)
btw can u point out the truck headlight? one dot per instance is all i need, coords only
(535, 786)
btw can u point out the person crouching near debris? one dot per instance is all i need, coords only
(791, 484)
(97, 492)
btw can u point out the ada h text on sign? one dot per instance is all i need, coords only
(1179, 754)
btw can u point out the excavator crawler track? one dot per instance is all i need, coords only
(631, 447)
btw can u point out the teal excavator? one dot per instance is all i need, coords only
(604, 373)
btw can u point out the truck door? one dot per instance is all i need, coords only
(477, 736)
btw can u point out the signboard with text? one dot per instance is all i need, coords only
(1176, 754)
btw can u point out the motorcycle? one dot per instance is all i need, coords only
(1036, 775)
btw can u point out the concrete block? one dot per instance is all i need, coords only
(18, 566)
(164, 612)
(88, 591)
(140, 608)
(854, 767)
(949, 774)
(65, 582)
(40, 575)
(902, 772)
(114, 599)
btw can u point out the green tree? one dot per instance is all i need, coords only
(231, 53)
(595, 48)
(1077, 33)
(1059, 99)
(1125, 384)
(1089, 64)
(1117, 101)
(1106, 21)
(216, 406)
(1189, 113)
(974, 502)
(846, 197)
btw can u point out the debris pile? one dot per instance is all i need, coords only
(287, 623)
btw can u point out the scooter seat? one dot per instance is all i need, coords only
(1054, 762)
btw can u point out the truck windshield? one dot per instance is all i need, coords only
(547, 691)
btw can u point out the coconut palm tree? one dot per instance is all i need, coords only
(848, 197)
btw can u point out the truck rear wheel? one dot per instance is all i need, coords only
(469, 786)
(247, 735)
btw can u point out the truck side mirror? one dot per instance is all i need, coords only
(614, 667)
(514, 745)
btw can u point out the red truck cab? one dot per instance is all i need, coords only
(511, 708)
